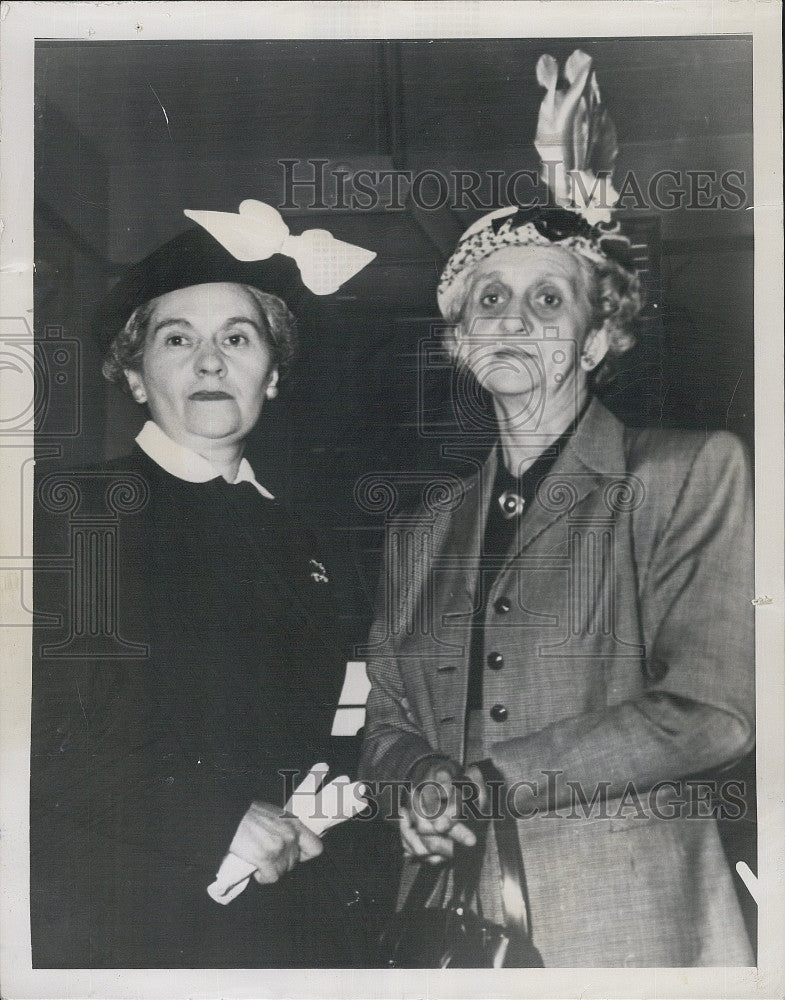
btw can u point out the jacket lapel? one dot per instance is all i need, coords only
(595, 451)
(459, 552)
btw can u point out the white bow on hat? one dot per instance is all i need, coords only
(258, 231)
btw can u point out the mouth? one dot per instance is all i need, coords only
(512, 352)
(208, 396)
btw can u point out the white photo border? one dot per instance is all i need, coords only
(20, 25)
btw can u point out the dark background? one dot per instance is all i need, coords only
(130, 134)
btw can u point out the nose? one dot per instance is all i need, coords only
(515, 324)
(209, 361)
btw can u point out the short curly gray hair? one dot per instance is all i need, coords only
(617, 298)
(615, 295)
(278, 324)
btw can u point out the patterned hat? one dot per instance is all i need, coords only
(576, 140)
(537, 226)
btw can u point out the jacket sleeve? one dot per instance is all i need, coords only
(394, 739)
(697, 710)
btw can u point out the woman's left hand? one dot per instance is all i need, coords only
(434, 821)
(273, 843)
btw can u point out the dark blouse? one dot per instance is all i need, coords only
(510, 498)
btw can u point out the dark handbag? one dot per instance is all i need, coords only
(454, 936)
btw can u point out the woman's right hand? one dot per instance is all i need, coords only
(432, 822)
(273, 843)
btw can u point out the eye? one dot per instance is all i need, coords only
(176, 340)
(491, 297)
(548, 298)
(237, 340)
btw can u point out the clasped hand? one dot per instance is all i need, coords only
(273, 843)
(433, 822)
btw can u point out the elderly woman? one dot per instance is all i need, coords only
(587, 621)
(162, 718)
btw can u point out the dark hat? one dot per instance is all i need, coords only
(193, 258)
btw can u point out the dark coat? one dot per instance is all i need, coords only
(196, 659)
(620, 640)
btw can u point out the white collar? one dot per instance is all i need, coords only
(185, 464)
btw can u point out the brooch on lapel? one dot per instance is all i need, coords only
(318, 573)
(511, 504)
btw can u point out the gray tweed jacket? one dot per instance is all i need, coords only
(621, 626)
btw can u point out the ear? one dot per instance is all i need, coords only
(272, 385)
(595, 347)
(456, 344)
(136, 385)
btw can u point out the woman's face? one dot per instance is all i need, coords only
(206, 365)
(525, 321)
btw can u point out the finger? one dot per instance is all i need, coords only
(456, 828)
(437, 810)
(443, 775)
(431, 813)
(284, 860)
(277, 863)
(421, 839)
(412, 844)
(427, 852)
(439, 823)
(309, 845)
(430, 800)
(425, 827)
(431, 859)
(287, 854)
(461, 834)
(261, 837)
(434, 850)
(442, 846)
(292, 854)
(266, 874)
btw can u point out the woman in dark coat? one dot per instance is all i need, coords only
(196, 657)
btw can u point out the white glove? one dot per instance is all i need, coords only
(317, 809)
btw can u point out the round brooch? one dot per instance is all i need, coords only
(511, 504)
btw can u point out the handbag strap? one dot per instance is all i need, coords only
(468, 862)
(466, 866)
(514, 892)
(424, 884)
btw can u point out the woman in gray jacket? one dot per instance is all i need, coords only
(579, 615)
